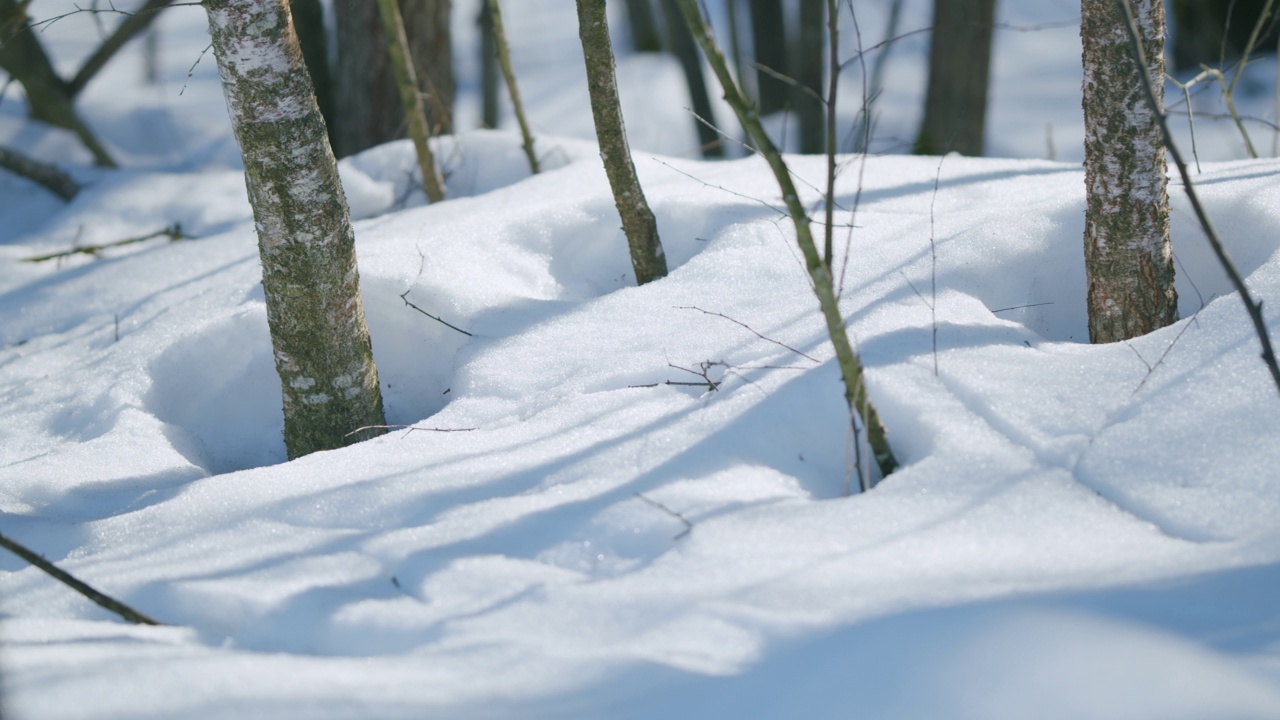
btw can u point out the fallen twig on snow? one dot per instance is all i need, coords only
(173, 232)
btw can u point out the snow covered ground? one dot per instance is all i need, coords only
(1076, 532)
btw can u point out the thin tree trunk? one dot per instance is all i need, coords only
(1128, 258)
(686, 51)
(638, 222)
(410, 99)
(745, 80)
(307, 247)
(513, 88)
(488, 68)
(364, 83)
(856, 396)
(955, 107)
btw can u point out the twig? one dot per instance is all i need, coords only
(1021, 307)
(1152, 368)
(48, 176)
(704, 373)
(749, 329)
(933, 266)
(409, 428)
(173, 232)
(102, 600)
(722, 188)
(1254, 308)
(688, 526)
(403, 296)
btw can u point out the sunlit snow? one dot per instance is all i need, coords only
(564, 522)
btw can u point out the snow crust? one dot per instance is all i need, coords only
(1076, 531)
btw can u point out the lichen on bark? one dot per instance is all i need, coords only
(1128, 257)
(307, 246)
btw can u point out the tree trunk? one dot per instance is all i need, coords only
(410, 99)
(1211, 32)
(769, 36)
(686, 51)
(851, 370)
(644, 26)
(488, 68)
(808, 92)
(1128, 258)
(638, 222)
(513, 88)
(955, 106)
(364, 85)
(308, 23)
(318, 333)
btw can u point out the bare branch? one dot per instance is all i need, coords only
(101, 599)
(749, 329)
(46, 175)
(173, 232)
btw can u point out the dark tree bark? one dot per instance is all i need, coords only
(308, 23)
(955, 107)
(644, 26)
(1211, 32)
(410, 99)
(686, 51)
(769, 36)
(48, 176)
(364, 85)
(808, 93)
(638, 222)
(305, 240)
(488, 68)
(1128, 258)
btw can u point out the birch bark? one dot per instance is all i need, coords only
(1128, 257)
(307, 247)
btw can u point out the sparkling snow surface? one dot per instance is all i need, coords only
(1075, 532)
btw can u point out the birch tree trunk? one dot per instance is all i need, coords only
(647, 258)
(1128, 258)
(318, 333)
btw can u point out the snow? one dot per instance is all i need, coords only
(552, 530)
